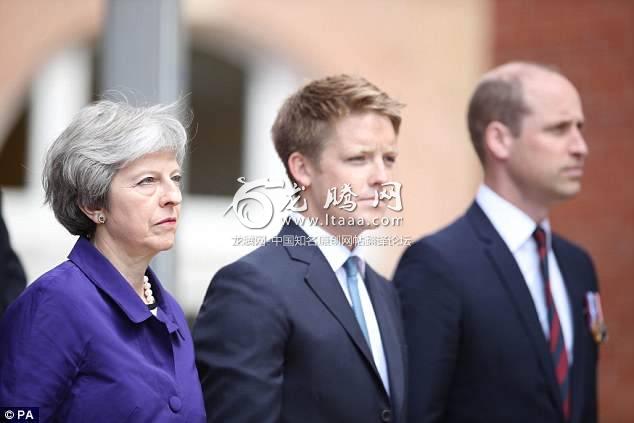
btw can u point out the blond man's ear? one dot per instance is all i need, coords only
(302, 169)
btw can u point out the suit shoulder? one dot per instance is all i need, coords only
(382, 280)
(437, 261)
(442, 243)
(65, 283)
(451, 235)
(266, 253)
(570, 246)
(251, 285)
(263, 260)
(371, 270)
(572, 252)
(60, 294)
(268, 269)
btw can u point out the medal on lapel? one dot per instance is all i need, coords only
(596, 322)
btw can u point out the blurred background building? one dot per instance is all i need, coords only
(236, 61)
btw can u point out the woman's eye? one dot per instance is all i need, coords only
(147, 180)
(390, 159)
(177, 178)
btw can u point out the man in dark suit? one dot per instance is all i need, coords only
(302, 329)
(12, 278)
(494, 304)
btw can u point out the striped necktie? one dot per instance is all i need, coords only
(556, 344)
(353, 289)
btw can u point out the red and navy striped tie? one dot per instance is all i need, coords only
(556, 343)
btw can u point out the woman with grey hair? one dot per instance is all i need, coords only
(98, 338)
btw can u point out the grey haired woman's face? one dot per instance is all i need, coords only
(144, 205)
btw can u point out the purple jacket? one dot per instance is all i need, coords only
(81, 345)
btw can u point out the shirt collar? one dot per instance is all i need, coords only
(514, 226)
(108, 279)
(335, 253)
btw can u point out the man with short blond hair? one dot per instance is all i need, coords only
(299, 332)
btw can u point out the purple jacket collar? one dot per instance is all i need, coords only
(109, 280)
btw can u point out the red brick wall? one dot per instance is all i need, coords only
(592, 42)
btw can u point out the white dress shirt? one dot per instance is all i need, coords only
(337, 254)
(516, 229)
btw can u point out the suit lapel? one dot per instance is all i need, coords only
(576, 297)
(509, 273)
(323, 282)
(385, 316)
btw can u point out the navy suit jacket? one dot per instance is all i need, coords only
(476, 350)
(277, 341)
(12, 278)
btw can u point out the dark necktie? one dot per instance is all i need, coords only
(556, 344)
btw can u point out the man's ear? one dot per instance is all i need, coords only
(301, 168)
(498, 141)
(96, 215)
